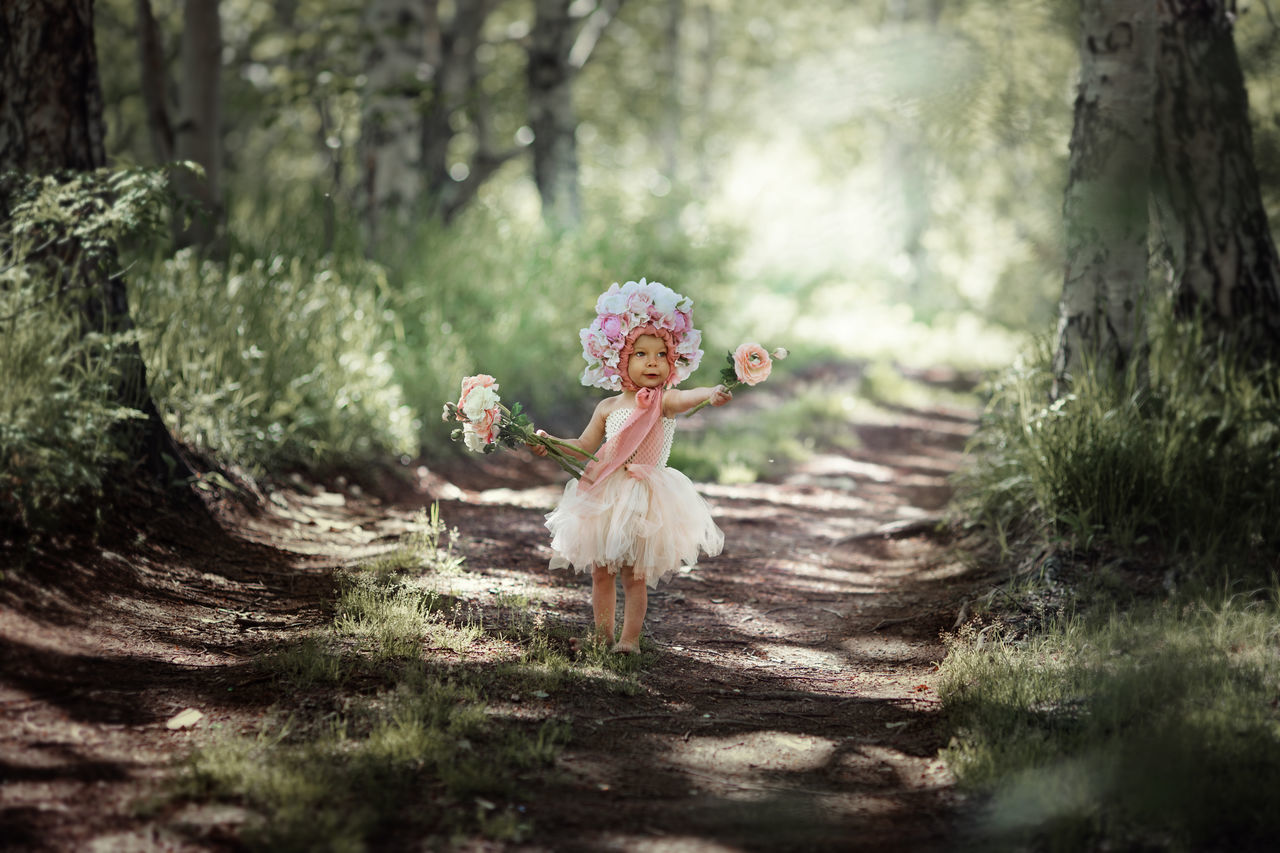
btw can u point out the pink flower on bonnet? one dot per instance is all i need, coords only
(623, 313)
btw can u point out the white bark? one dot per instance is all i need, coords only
(1211, 213)
(1105, 204)
(391, 118)
(551, 114)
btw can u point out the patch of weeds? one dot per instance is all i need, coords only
(458, 633)
(433, 540)
(1180, 452)
(423, 753)
(1153, 728)
(386, 617)
(310, 661)
(427, 547)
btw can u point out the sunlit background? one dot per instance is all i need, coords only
(879, 182)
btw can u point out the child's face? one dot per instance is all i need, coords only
(648, 366)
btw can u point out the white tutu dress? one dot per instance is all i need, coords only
(644, 515)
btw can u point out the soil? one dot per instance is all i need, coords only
(790, 704)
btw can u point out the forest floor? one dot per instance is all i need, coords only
(786, 699)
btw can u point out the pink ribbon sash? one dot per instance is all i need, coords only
(644, 420)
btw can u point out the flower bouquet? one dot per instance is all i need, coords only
(486, 423)
(749, 364)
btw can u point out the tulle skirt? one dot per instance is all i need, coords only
(656, 525)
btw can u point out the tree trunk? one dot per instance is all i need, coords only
(50, 97)
(1105, 205)
(397, 72)
(51, 120)
(1226, 270)
(670, 133)
(907, 160)
(155, 76)
(199, 131)
(551, 114)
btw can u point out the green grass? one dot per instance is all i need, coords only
(1116, 710)
(1155, 729)
(391, 727)
(421, 758)
(1181, 454)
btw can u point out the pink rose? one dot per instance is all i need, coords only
(611, 325)
(485, 427)
(751, 363)
(638, 303)
(680, 322)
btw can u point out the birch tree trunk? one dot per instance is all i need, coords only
(669, 135)
(551, 114)
(1226, 270)
(558, 49)
(391, 154)
(198, 136)
(1105, 206)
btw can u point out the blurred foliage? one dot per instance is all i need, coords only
(803, 174)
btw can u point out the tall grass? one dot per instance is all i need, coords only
(274, 362)
(61, 388)
(59, 405)
(1182, 452)
(1153, 729)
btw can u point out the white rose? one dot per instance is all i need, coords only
(613, 302)
(472, 439)
(601, 303)
(480, 399)
(664, 298)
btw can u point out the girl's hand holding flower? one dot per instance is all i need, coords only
(749, 364)
(486, 423)
(538, 449)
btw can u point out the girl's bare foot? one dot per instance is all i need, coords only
(577, 645)
(622, 648)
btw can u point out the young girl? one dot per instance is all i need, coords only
(631, 515)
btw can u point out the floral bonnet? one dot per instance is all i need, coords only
(621, 313)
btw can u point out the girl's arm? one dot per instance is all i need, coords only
(675, 401)
(587, 443)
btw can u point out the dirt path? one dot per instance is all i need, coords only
(790, 704)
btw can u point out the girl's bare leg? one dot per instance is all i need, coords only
(604, 601)
(636, 603)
